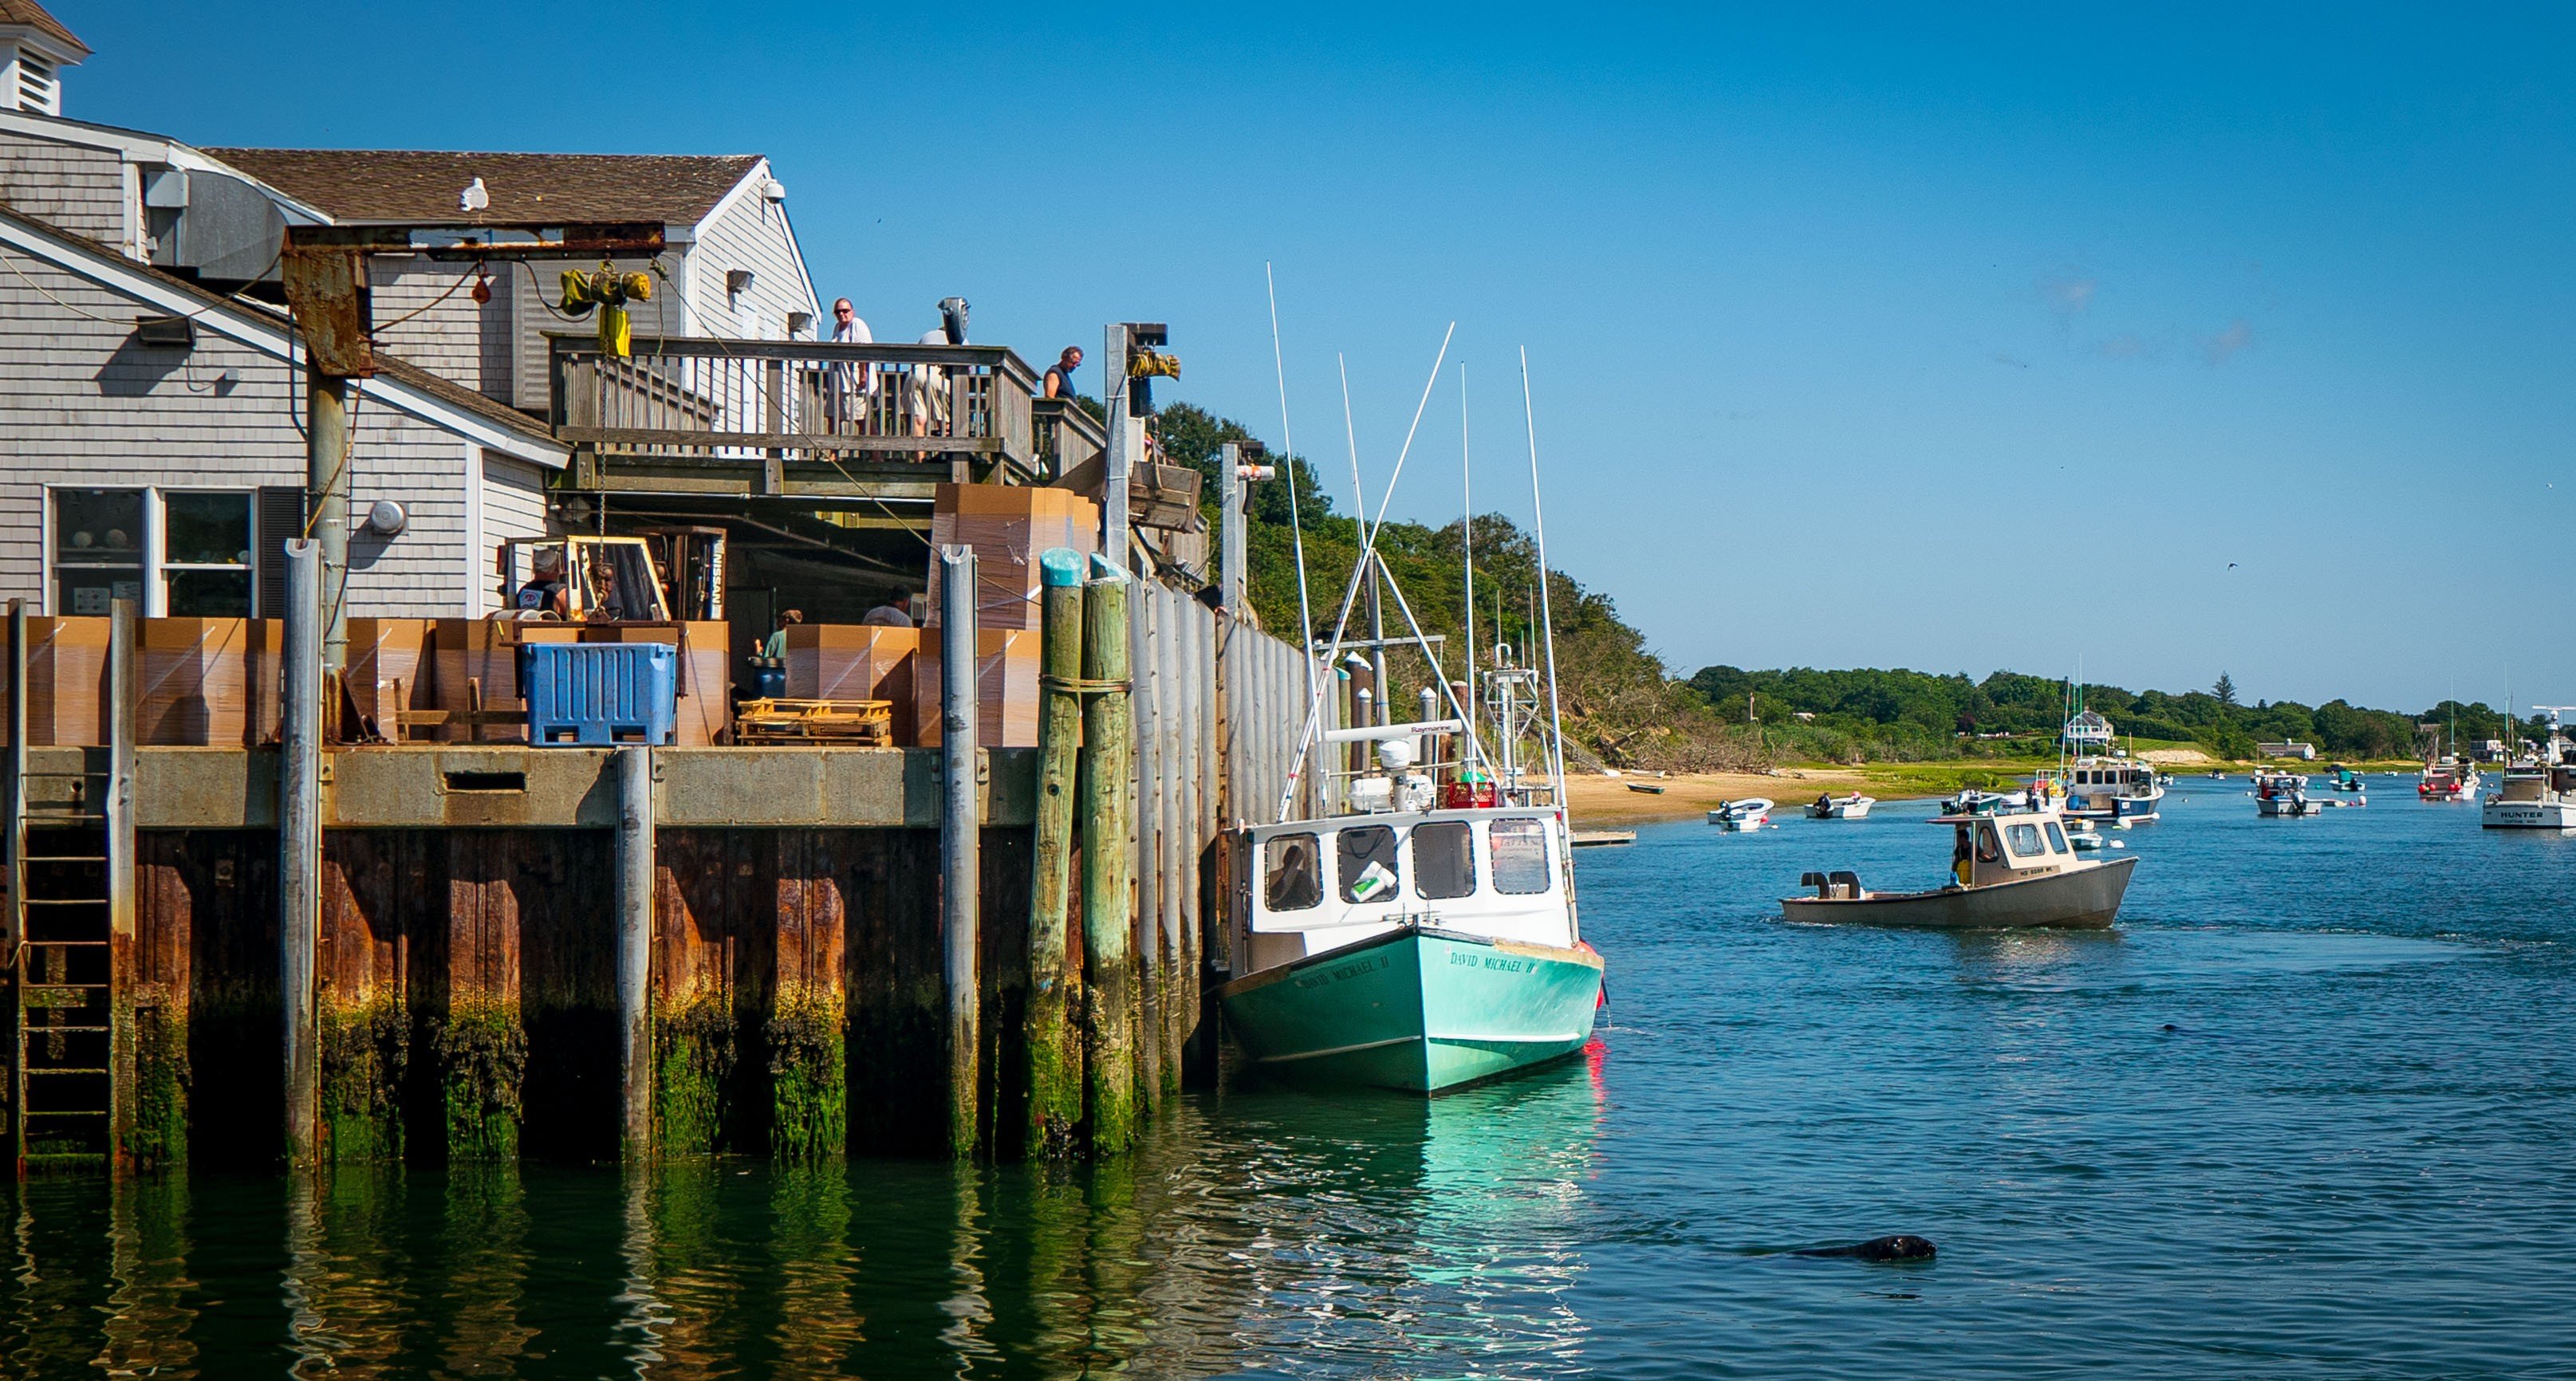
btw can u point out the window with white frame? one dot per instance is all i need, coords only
(178, 552)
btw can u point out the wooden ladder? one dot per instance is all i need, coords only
(66, 932)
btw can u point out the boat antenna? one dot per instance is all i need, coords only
(1288, 467)
(1546, 604)
(1359, 492)
(1467, 528)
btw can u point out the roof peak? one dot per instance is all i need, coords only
(27, 14)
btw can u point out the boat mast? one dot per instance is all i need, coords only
(1288, 467)
(1546, 604)
(1467, 532)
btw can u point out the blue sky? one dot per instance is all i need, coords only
(1833, 315)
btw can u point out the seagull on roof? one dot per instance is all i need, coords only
(473, 198)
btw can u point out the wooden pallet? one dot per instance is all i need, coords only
(866, 722)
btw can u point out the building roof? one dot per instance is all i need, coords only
(548, 450)
(414, 186)
(31, 15)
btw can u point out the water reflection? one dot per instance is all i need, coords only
(1362, 1233)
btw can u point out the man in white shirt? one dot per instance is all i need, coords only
(852, 385)
(896, 612)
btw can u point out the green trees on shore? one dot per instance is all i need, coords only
(1900, 714)
(1624, 708)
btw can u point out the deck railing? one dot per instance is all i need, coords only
(701, 412)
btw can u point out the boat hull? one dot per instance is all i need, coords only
(2082, 898)
(2528, 815)
(1416, 1009)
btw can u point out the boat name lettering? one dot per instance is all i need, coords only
(1491, 961)
(1342, 971)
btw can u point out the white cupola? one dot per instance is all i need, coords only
(34, 50)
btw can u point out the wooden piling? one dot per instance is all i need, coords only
(1053, 1044)
(299, 790)
(1170, 705)
(635, 885)
(1144, 824)
(122, 649)
(1106, 805)
(960, 827)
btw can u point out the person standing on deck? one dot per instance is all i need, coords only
(852, 385)
(1059, 376)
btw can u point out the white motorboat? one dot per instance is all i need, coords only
(2101, 783)
(1736, 817)
(1852, 807)
(2283, 794)
(2540, 793)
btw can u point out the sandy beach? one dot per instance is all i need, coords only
(1602, 801)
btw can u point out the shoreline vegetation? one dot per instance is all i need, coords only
(1893, 732)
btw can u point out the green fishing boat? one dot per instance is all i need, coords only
(1408, 921)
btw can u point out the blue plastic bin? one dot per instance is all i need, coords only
(596, 695)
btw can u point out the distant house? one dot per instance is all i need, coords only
(151, 383)
(2305, 752)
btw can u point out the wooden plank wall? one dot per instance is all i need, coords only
(1218, 710)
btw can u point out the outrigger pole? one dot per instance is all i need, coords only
(1364, 569)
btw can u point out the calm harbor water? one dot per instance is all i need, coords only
(2307, 1113)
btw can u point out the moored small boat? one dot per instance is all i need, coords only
(1736, 817)
(2009, 870)
(2539, 793)
(2279, 795)
(1853, 806)
(2448, 779)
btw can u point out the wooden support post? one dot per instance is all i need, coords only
(635, 950)
(326, 500)
(299, 864)
(1233, 573)
(1145, 711)
(1054, 1049)
(1107, 781)
(13, 927)
(122, 651)
(1170, 705)
(960, 824)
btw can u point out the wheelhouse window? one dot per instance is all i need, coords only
(1444, 859)
(2024, 839)
(1519, 849)
(1291, 865)
(1367, 866)
(2056, 838)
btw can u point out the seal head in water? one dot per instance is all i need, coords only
(1900, 1247)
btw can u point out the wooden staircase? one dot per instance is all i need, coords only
(66, 932)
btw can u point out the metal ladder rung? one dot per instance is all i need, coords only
(32, 1071)
(64, 1112)
(56, 776)
(62, 987)
(63, 901)
(64, 858)
(60, 1031)
(86, 944)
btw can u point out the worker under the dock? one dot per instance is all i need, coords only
(775, 648)
(896, 612)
